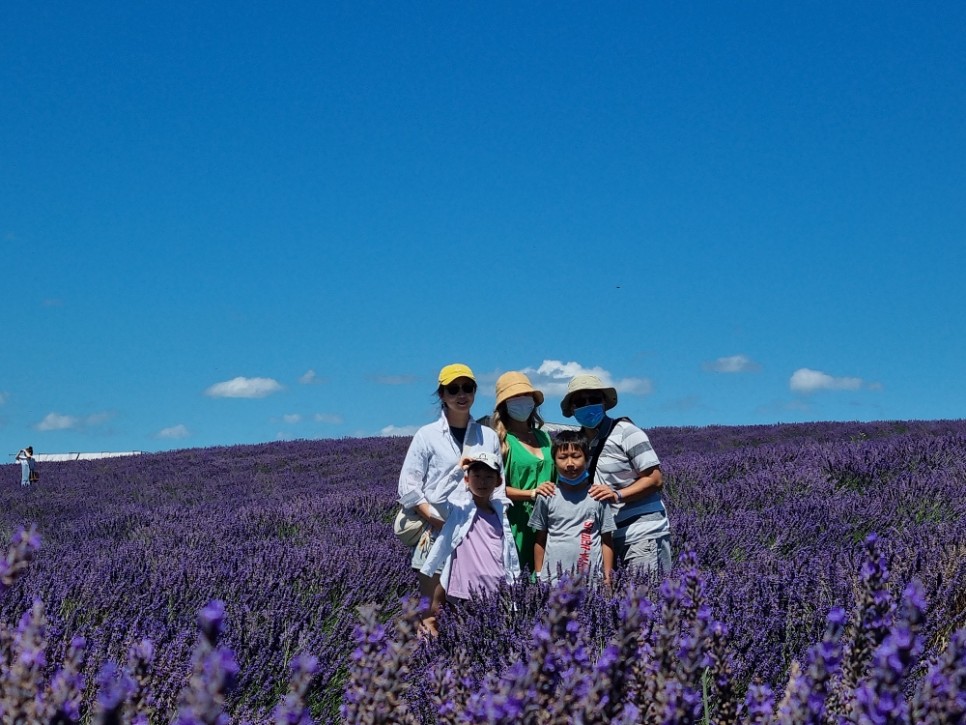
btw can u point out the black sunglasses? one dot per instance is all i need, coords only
(579, 401)
(454, 388)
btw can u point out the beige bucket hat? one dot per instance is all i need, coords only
(514, 383)
(587, 382)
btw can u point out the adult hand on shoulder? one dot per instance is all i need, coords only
(602, 493)
(546, 488)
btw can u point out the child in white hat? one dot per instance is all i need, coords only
(475, 550)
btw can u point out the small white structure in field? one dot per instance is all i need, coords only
(44, 457)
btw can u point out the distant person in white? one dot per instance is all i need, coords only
(628, 474)
(26, 458)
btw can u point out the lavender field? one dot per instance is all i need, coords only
(826, 577)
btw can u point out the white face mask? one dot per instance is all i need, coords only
(520, 408)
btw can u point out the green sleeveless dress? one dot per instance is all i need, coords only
(525, 471)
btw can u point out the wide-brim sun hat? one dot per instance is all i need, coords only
(587, 382)
(449, 373)
(514, 383)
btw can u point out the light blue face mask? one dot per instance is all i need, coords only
(590, 416)
(520, 408)
(573, 481)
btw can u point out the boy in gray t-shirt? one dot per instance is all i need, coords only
(573, 530)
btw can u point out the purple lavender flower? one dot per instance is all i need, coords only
(67, 687)
(879, 699)
(759, 705)
(808, 689)
(211, 620)
(24, 545)
(941, 695)
(113, 688)
(213, 675)
(293, 710)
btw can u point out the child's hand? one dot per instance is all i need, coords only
(434, 523)
(602, 493)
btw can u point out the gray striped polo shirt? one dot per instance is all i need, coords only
(626, 454)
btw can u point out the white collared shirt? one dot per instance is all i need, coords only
(431, 471)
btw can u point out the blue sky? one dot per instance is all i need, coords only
(241, 222)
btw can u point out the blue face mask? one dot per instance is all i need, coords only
(590, 416)
(573, 481)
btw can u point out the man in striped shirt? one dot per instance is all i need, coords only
(626, 472)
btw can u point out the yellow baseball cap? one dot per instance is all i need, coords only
(457, 370)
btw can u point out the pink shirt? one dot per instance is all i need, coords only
(478, 560)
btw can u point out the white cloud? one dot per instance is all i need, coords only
(732, 364)
(327, 418)
(56, 421)
(309, 377)
(552, 377)
(292, 418)
(399, 430)
(805, 380)
(175, 431)
(244, 388)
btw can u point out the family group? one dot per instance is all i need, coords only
(487, 500)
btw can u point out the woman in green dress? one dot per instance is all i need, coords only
(527, 462)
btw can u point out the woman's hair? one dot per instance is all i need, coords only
(497, 424)
(30, 450)
(567, 439)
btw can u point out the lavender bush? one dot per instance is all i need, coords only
(784, 610)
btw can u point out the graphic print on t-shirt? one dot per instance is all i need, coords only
(586, 543)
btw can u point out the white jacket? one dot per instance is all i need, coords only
(461, 512)
(431, 471)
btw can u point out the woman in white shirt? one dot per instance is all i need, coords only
(26, 458)
(431, 471)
